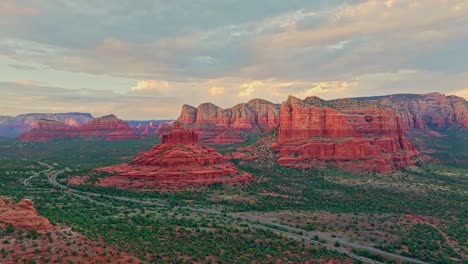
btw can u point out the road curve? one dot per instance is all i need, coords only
(288, 231)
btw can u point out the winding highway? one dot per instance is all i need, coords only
(291, 232)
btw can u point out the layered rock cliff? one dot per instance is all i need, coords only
(106, 127)
(178, 161)
(21, 214)
(147, 128)
(367, 138)
(232, 125)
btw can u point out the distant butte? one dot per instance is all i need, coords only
(178, 161)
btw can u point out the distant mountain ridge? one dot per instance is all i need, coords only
(13, 126)
(106, 127)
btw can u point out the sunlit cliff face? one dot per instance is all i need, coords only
(143, 60)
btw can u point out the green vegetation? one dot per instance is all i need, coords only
(370, 206)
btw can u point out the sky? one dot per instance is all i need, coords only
(144, 59)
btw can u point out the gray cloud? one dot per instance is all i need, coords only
(327, 48)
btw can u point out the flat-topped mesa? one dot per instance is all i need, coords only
(14, 126)
(232, 125)
(49, 129)
(422, 111)
(22, 215)
(356, 139)
(180, 135)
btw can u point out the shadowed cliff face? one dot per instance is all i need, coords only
(106, 127)
(232, 125)
(367, 138)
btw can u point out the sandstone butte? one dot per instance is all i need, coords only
(355, 139)
(106, 127)
(21, 215)
(178, 161)
(232, 125)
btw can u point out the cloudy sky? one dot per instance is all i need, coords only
(144, 59)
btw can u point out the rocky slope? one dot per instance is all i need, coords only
(433, 110)
(50, 244)
(178, 161)
(360, 138)
(106, 127)
(21, 215)
(232, 125)
(12, 127)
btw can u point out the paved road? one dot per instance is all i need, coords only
(36, 174)
(288, 231)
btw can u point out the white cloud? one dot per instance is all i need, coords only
(217, 90)
(248, 88)
(151, 85)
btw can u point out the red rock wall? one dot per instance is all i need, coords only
(370, 139)
(232, 125)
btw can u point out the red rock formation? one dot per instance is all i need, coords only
(432, 110)
(49, 129)
(106, 127)
(178, 161)
(15, 126)
(147, 128)
(356, 139)
(164, 128)
(233, 125)
(22, 215)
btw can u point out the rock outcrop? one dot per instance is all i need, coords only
(355, 139)
(21, 215)
(106, 127)
(433, 110)
(12, 127)
(49, 129)
(233, 125)
(148, 128)
(178, 161)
